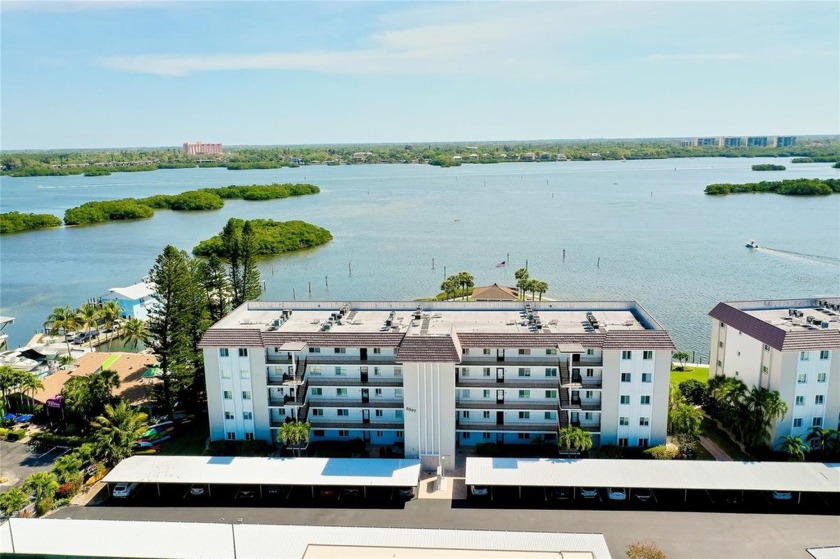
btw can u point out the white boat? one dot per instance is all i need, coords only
(752, 245)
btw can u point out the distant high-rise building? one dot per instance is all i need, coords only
(196, 148)
(708, 142)
(758, 141)
(733, 142)
(785, 141)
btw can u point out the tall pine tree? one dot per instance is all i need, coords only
(250, 274)
(216, 286)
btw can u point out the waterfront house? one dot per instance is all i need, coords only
(135, 300)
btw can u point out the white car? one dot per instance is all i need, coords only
(614, 494)
(588, 492)
(123, 490)
(479, 491)
(781, 495)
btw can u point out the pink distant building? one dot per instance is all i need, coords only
(196, 148)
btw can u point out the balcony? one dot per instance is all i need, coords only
(357, 424)
(349, 360)
(354, 403)
(278, 359)
(374, 381)
(515, 404)
(490, 427)
(508, 381)
(583, 361)
(511, 361)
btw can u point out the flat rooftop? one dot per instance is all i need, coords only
(813, 315)
(439, 318)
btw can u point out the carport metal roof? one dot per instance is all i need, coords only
(654, 474)
(355, 472)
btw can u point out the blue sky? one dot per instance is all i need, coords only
(120, 74)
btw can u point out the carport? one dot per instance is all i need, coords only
(259, 472)
(685, 475)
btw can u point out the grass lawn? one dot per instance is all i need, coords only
(702, 453)
(696, 373)
(188, 442)
(710, 429)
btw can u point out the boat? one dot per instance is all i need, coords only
(752, 245)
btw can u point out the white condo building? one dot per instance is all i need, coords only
(789, 345)
(433, 376)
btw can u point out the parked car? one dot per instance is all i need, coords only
(588, 492)
(123, 490)
(644, 495)
(351, 493)
(479, 491)
(733, 498)
(559, 493)
(781, 495)
(616, 494)
(245, 494)
(197, 490)
(328, 493)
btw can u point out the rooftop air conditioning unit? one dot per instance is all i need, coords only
(824, 324)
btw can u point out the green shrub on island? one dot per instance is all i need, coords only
(815, 159)
(16, 222)
(256, 192)
(109, 210)
(445, 162)
(244, 166)
(191, 201)
(836, 165)
(270, 237)
(793, 187)
(96, 172)
(768, 167)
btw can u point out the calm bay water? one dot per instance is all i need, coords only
(660, 240)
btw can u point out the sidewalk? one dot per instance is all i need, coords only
(715, 450)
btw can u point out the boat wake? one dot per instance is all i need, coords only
(802, 256)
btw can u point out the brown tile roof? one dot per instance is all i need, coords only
(231, 337)
(777, 338)
(440, 349)
(638, 339)
(495, 292)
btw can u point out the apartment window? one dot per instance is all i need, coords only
(281, 412)
(315, 370)
(465, 435)
(645, 400)
(804, 356)
(722, 325)
(797, 422)
(625, 399)
(228, 415)
(377, 351)
(485, 415)
(623, 441)
(800, 400)
(766, 347)
(588, 394)
(590, 351)
(485, 393)
(643, 442)
(647, 355)
(524, 351)
(550, 415)
(551, 351)
(343, 433)
(397, 371)
(317, 412)
(340, 350)
(227, 395)
(647, 377)
(465, 414)
(625, 355)
(243, 352)
(314, 350)
(625, 377)
(819, 399)
(377, 392)
(318, 433)
(802, 379)
(816, 422)
(248, 415)
(644, 421)
(466, 351)
(342, 412)
(523, 436)
(398, 414)
(764, 369)
(231, 436)
(225, 373)
(380, 434)
(590, 372)
(486, 351)
(399, 434)
(624, 421)
(486, 371)
(524, 371)
(223, 352)
(551, 394)
(378, 413)
(524, 415)
(485, 435)
(316, 391)
(824, 354)
(465, 371)
(244, 373)
(720, 344)
(821, 377)
(720, 363)
(341, 392)
(465, 393)
(525, 394)
(249, 436)
(339, 371)
(551, 371)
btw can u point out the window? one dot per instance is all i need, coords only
(465, 414)
(720, 363)
(797, 422)
(377, 392)
(397, 371)
(590, 372)
(625, 355)
(587, 416)
(465, 435)
(722, 325)
(248, 415)
(590, 351)
(339, 371)
(551, 394)
(624, 421)
(523, 436)
(800, 400)
(398, 392)
(223, 352)
(588, 394)
(525, 394)
(486, 372)
(551, 351)
(244, 373)
(625, 399)
(341, 392)
(318, 433)
(647, 355)
(643, 442)
(816, 422)
(316, 391)
(647, 377)
(465, 393)
(225, 372)
(804, 356)
(398, 414)
(625, 377)
(343, 433)
(645, 400)
(764, 369)
(485, 435)
(342, 412)
(524, 352)
(340, 350)
(228, 415)
(377, 372)
(622, 441)
(399, 434)
(378, 413)
(486, 415)
(315, 370)
(802, 379)
(644, 421)
(380, 434)
(551, 371)
(231, 436)
(819, 399)
(465, 371)
(550, 415)
(466, 351)
(524, 415)
(766, 347)
(824, 354)
(281, 412)
(243, 352)
(821, 377)
(720, 344)
(485, 393)
(227, 395)
(314, 350)
(377, 351)
(317, 412)
(524, 371)
(486, 351)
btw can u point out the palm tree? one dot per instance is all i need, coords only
(88, 319)
(30, 383)
(827, 439)
(685, 419)
(135, 332)
(117, 430)
(288, 434)
(574, 439)
(794, 447)
(763, 407)
(8, 380)
(542, 287)
(13, 500)
(466, 282)
(68, 469)
(521, 276)
(110, 313)
(43, 484)
(64, 320)
(104, 383)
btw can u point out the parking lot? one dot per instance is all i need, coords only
(19, 460)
